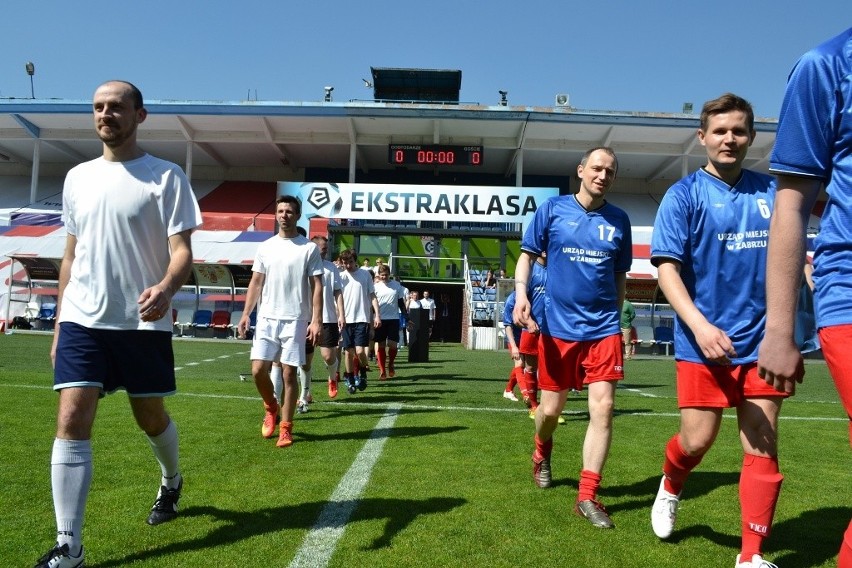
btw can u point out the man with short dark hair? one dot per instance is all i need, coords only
(588, 244)
(286, 287)
(709, 235)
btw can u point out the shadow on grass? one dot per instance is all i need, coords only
(396, 432)
(230, 527)
(811, 539)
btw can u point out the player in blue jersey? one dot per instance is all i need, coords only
(513, 339)
(813, 148)
(528, 345)
(589, 251)
(709, 246)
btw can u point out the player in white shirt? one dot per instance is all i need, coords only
(390, 296)
(333, 321)
(359, 297)
(286, 287)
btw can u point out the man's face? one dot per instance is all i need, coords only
(322, 245)
(726, 140)
(285, 214)
(116, 119)
(350, 265)
(597, 174)
(425, 294)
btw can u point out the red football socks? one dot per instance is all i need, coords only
(678, 465)
(589, 484)
(760, 484)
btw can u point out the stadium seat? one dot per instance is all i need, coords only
(664, 336)
(183, 320)
(220, 322)
(202, 320)
(235, 322)
(47, 316)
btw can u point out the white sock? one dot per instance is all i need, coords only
(71, 477)
(165, 448)
(332, 369)
(305, 381)
(277, 382)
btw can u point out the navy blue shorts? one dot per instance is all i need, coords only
(356, 335)
(139, 361)
(389, 330)
(330, 337)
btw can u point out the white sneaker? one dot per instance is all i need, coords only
(510, 395)
(757, 561)
(301, 406)
(664, 511)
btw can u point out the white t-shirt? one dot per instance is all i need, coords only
(330, 283)
(122, 214)
(357, 289)
(428, 304)
(287, 265)
(388, 296)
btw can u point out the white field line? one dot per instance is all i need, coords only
(321, 540)
(453, 408)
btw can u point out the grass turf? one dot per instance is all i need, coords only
(451, 486)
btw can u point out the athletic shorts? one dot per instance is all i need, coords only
(834, 342)
(389, 330)
(564, 365)
(529, 343)
(356, 335)
(719, 386)
(140, 362)
(279, 340)
(330, 336)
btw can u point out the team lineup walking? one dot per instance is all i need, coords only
(728, 244)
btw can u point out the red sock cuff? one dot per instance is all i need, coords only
(678, 465)
(589, 484)
(544, 448)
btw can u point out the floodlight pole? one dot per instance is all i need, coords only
(30, 67)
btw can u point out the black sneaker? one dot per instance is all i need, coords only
(350, 383)
(60, 557)
(362, 380)
(166, 506)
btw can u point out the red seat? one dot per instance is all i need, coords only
(220, 322)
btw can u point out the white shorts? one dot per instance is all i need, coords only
(280, 340)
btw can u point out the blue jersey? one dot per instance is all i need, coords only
(585, 249)
(508, 320)
(814, 140)
(535, 291)
(718, 233)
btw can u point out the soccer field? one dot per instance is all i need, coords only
(431, 468)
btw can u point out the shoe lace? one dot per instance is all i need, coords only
(166, 499)
(55, 552)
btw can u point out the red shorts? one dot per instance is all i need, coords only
(529, 343)
(835, 341)
(567, 365)
(719, 386)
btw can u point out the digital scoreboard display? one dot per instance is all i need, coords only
(434, 155)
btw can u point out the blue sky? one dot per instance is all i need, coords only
(647, 55)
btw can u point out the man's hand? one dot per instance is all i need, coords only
(780, 364)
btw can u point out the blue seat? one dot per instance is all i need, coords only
(491, 294)
(202, 320)
(664, 336)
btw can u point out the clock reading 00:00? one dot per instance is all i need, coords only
(435, 155)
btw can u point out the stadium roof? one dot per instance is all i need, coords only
(355, 135)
